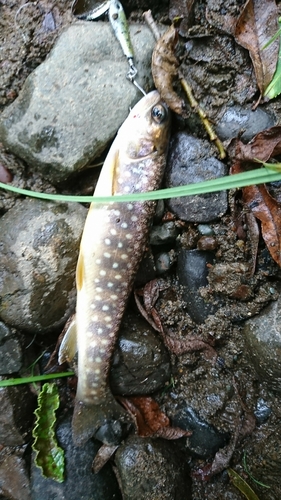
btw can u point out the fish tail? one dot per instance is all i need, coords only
(88, 418)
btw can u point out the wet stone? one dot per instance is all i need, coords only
(58, 123)
(190, 161)
(164, 234)
(192, 270)
(40, 243)
(262, 411)
(80, 482)
(205, 440)
(237, 119)
(14, 481)
(17, 405)
(164, 261)
(152, 469)
(141, 362)
(10, 351)
(262, 335)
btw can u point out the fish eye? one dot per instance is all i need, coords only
(159, 113)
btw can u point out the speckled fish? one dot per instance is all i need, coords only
(112, 245)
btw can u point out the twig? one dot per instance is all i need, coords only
(188, 91)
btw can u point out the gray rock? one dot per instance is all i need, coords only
(40, 243)
(190, 161)
(192, 271)
(80, 482)
(237, 119)
(74, 102)
(14, 481)
(10, 351)
(17, 405)
(164, 261)
(152, 469)
(141, 363)
(164, 234)
(263, 340)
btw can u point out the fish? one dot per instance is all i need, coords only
(112, 245)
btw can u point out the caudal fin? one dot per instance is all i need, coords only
(88, 418)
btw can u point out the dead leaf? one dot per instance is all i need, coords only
(165, 69)
(150, 420)
(183, 9)
(264, 145)
(104, 454)
(256, 25)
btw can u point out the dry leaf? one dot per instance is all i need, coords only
(150, 420)
(165, 69)
(256, 25)
(104, 454)
(182, 9)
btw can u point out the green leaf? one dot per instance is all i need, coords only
(257, 176)
(242, 486)
(274, 88)
(49, 456)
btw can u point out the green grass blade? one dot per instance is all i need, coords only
(35, 378)
(274, 88)
(242, 486)
(257, 176)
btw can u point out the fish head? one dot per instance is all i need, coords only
(146, 130)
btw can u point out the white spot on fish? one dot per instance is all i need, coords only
(105, 308)
(118, 276)
(115, 265)
(98, 261)
(98, 289)
(92, 306)
(130, 206)
(116, 212)
(95, 318)
(107, 255)
(111, 334)
(127, 189)
(109, 326)
(120, 245)
(124, 256)
(93, 344)
(129, 236)
(124, 225)
(134, 218)
(107, 241)
(98, 297)
(109, 284)
(114, 297)
(113, 232)
(97, 371)
(97, 280)
(100, 331)
(104, 341)
(107, 318)
(98, 359)
(102, 272)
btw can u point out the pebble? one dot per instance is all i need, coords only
(164, 261)
(190, 161)
(164, 234)
(78, 474)
(192, 271)
(71, 106)
(205, 440)
(40, 243)
(141, 363)
(262, 335)
(14, 481)
(10, 351)
(152, 469)
(237, 119)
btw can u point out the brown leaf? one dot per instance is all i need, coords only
(183, 9)
(257, 23)
(150, 420)
(264, 145)
(165, 69)
(268, 211)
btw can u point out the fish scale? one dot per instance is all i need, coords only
(112, 245)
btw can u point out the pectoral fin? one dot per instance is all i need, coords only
(105, 184)
(68, 347)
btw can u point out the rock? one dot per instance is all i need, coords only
(10, 351)
(164, 234)
(237, 119)
(14, 481)
(75, 101)
(190, 161)
(205, 440)
(40, 243)
(141, 364)
(262, 411)
(80, 482)
(164, 261)
(192, 271)
(232, 279)
(262, 335)
(17, 405)
(152, 469)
